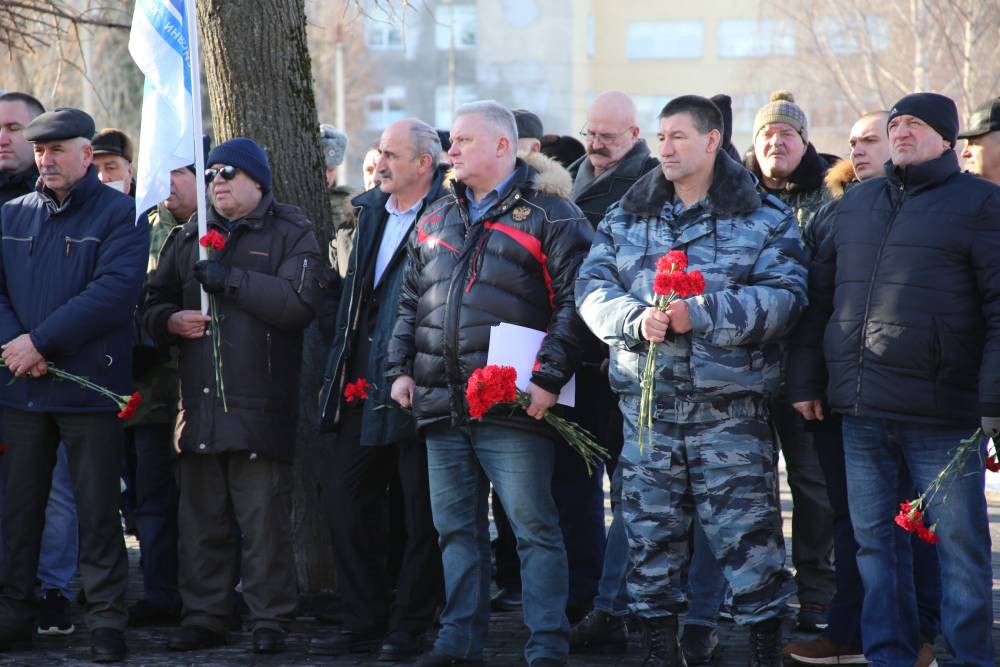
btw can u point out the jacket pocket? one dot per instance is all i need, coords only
(718, 371)
(81, 243)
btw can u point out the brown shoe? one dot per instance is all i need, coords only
(926, 656)
(825, 651)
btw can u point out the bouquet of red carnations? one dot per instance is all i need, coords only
(495, 386)
(671, 282)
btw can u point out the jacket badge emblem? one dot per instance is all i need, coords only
(520, 213)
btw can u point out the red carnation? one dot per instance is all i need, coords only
(992, 464)
(675, 260)
(128, 410)
(928, 535)
(357, 390)
(695, 283)
(488, 386)
(213, 240)
(663, 283)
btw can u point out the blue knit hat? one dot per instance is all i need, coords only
(246, 155)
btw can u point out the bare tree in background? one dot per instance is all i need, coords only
(872, 54)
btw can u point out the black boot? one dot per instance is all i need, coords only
(662, 647)
(599, 632)
(765, 643)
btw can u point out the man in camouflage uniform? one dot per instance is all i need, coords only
(711, 452)
(150, 432)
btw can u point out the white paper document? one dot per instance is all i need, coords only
(517, 346)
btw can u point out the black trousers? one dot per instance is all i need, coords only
(215, 489)
(94, 445)
(356, 499)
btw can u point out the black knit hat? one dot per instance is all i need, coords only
(244, 154)
(936, 110)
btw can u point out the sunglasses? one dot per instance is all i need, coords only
(228, 172)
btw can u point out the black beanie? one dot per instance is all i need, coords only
(725, 104)
(246, 155)
(936, 110)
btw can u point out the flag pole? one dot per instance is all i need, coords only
(191, 16)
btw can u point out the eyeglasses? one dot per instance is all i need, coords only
(603, 137)
(227, 171)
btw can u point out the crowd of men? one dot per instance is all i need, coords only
(850, 317)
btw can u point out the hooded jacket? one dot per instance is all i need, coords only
(517, 265)
(380, 426)
(746, 245)
(272, 293)
(905, 294)
(71, 275)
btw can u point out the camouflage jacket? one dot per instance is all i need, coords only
(748, 248)
(155, 367)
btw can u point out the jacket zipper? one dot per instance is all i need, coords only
(269, 353)
(342, 373)
(302, 277)
(70, 241)
(30, 240)
(453, 312)
(868, 299)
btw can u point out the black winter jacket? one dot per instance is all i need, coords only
(13, 186)
(601, 193)
(905, 297)
(380, 426)
(517, 265)
(272, 294)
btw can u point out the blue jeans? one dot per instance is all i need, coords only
(879, 453)
(58, 557)
(461, 463)
(844, 619)
(706, 584)
(155, 513)
(612, 589)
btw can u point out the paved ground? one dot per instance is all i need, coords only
(507, 634)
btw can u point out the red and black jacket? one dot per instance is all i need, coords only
(517, 264)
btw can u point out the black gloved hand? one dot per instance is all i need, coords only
(991, 426)
(212, 275)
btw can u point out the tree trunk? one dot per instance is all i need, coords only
(260, 86)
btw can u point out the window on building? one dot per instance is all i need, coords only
(460, 19)
(647, 40)
(755, 38)
(382, 36)
(444, 110)
(842, 38)
(648, 109)
(745, 107)
(384, 109)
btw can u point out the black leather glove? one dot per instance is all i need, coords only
(991, 426)
(212, 275)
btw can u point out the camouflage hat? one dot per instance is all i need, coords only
(782, 109)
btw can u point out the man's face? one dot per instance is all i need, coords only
(183, 199)
(608, 137)
(912, 141)
(398, 167)
(62, 163)
(778, 149)
(982, 155)
(475, 148)
(869, 147)
(114, 169)
(234, 198)
(368, 169)
(15, 150)
(331, 176)
(684, 152)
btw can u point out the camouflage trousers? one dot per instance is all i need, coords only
(724, 474)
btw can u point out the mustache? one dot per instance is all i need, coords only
(598, 151)
(50, 171)
(385, 174)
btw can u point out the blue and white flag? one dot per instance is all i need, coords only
(159, 45)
